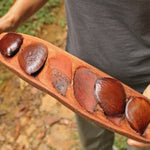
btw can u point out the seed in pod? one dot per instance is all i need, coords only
(111, 96)
(138, 113)
(33, 57)
(83, 85)
(60, 73)
(10, 44)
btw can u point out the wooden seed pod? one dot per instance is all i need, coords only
(42, 81)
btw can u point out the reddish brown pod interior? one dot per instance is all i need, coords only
(138, 113)
(33, 57)
(111, 96)
(10, 44)
(83, 85)
(60, 73)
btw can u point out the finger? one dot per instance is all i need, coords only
(137, 144)
(147, 91)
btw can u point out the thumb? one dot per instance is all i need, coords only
(137, 144)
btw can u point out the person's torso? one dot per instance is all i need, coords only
(113, 35)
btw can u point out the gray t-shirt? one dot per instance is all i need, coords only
(112, 35)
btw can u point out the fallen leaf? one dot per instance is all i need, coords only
(42, 134)
(50, 120)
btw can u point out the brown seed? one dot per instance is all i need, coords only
(83, 86)
(111, 96)
(59, 81)
(138, 113)
(33, 57)
(60, 73)
(10, 44)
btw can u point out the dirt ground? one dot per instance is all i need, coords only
(31, 119)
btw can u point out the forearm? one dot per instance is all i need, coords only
(19, 12)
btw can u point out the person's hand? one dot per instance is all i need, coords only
(131, 142)
(137, 144)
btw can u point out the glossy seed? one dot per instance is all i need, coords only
(10, 44)
(138, 113)
(60, 73)
(33, 57)
(83, 85)
(111, 96)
